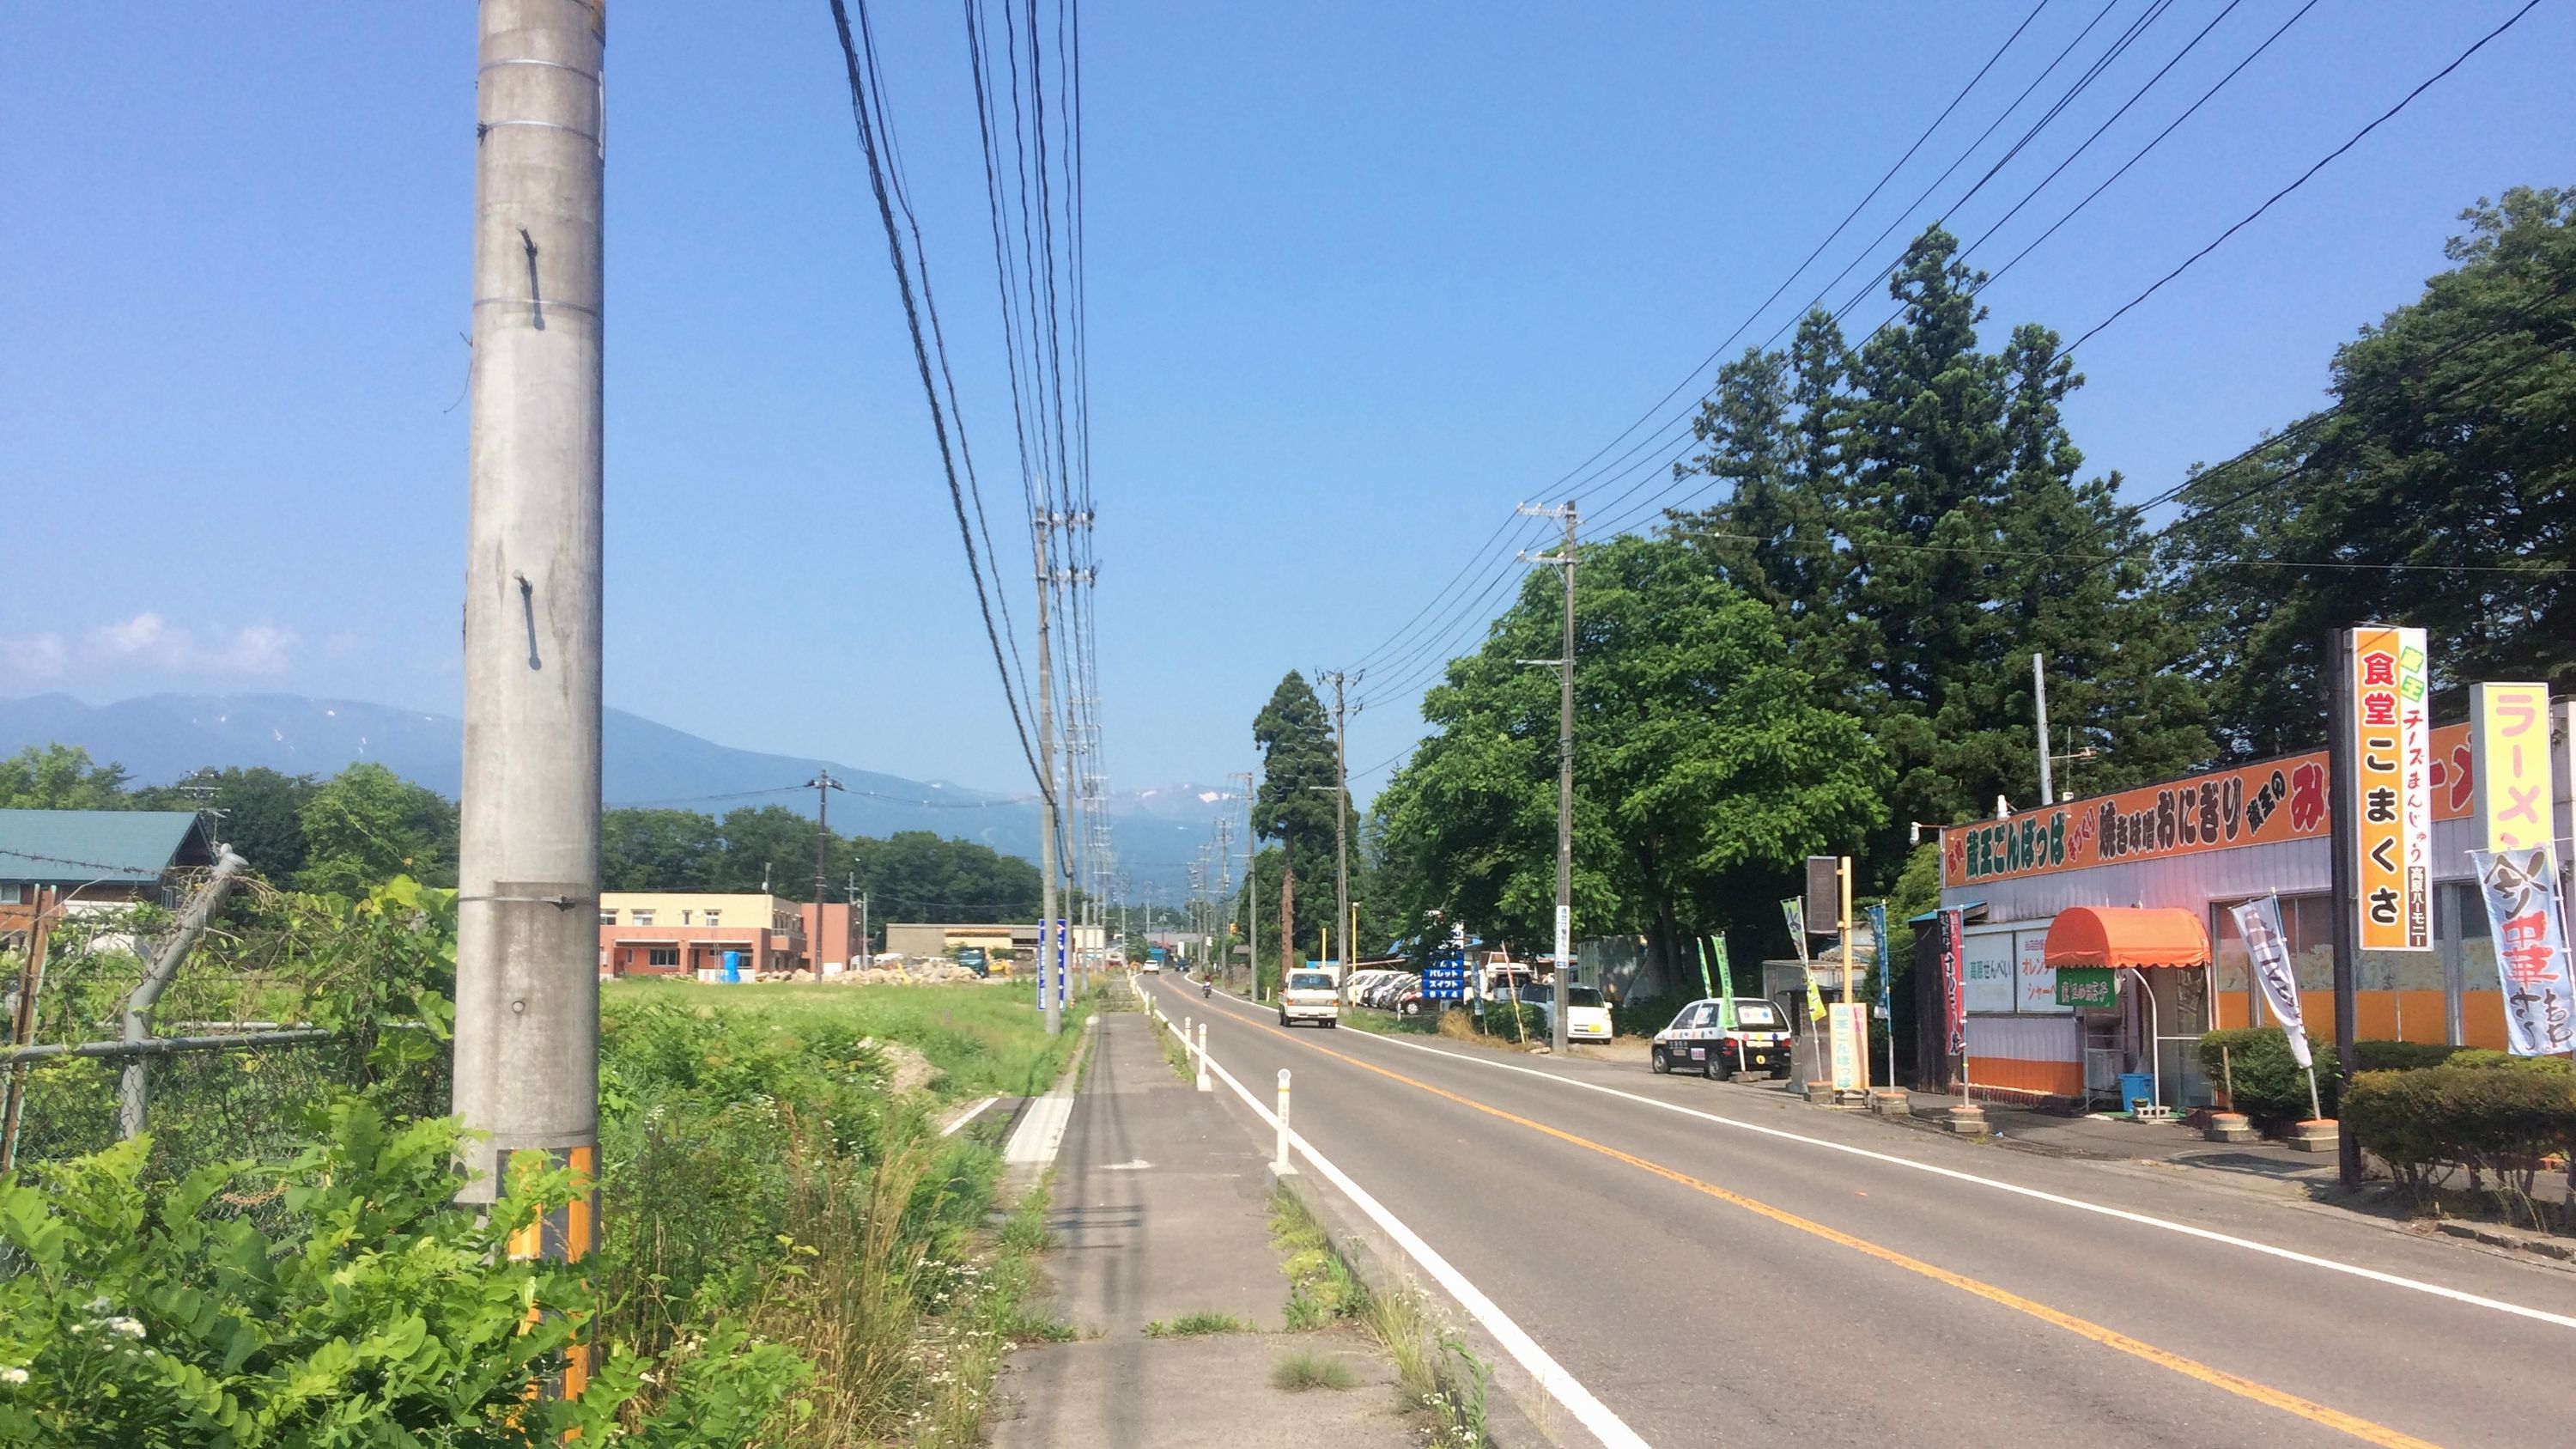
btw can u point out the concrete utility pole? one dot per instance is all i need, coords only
(1047, 998)
(527, 948)
(822, 785)
(2039, 712)
(2343, 814)
(1341, 822)
(1251, 886)
(1564, 559)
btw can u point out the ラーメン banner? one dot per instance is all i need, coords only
(2530, 926)
(2267, 954)
(2509, 725)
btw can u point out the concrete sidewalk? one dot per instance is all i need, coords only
(1161, 1212)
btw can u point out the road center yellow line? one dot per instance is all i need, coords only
(2288, 1403)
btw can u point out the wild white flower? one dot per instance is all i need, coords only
(130, 1327)
(13, 1376)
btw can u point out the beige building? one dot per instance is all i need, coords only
(681, 933)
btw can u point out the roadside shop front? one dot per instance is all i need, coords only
(2188, 850)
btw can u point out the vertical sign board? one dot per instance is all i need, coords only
(1847, 1038)
(2393, 786)
(1954, 984)
(1824, 898)
(2509, 743)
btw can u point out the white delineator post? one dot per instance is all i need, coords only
(527, 980)
(1204, 1084)
(1279, 1157)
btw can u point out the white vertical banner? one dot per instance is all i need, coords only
(2530, 925)
(2267, 954)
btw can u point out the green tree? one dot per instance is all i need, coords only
(1300, 778)
(60, 777)
(1705, 765)
(367, 825)
(1912, 512)
(2446, 452)
(767, 843)
(258, 812)
(659, 850)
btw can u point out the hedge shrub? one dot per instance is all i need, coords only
(2487, 1060)
(2401, 1056)
(2493, 1126)
(2269, 1084)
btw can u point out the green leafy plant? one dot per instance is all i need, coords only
(1196, 1325)
(1304, 1369)
(2269, 1085)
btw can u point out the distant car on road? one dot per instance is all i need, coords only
(1310, 996)
(1698, 1041)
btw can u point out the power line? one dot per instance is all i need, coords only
(2322, 162)
(860, 90)
(1751, 317)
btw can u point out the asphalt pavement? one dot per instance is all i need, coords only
(1752, 1270)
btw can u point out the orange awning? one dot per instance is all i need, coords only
(2127, 936)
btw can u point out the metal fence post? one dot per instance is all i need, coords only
(1279, 1157)
(134, 1091)
(1204, 1084)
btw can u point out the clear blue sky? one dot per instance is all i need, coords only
(1361, 277)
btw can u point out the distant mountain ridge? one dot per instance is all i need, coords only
(160, 737)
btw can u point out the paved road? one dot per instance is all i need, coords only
(1711, 1284)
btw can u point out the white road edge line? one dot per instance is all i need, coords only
(2205, 1234)
(1588, 1411)
(973, 1111)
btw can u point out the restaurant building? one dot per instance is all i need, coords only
(2146, 875)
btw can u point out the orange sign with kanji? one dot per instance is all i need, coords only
(2392, 762)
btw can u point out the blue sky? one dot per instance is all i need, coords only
(1361, 277)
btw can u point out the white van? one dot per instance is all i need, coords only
(1310, 996)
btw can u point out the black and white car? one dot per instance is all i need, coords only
(1699, 1041)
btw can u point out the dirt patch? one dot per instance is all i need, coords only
(936, 973)
(908, 1071)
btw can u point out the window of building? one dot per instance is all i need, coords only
(663, 956)
(712, 918)
(13, 893)
(684, 917)
(643, 917)
(608, 915)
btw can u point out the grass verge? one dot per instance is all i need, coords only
(1196, 1325)
(988, 1315)
(1305, 1369)
(1321, 1289)
(1388, 1023)
(1441, 1378)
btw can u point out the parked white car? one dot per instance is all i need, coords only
(1587, 1016)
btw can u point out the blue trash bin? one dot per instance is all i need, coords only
(2136, 1087)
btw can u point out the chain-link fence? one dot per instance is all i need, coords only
(209, 1099)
